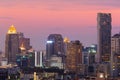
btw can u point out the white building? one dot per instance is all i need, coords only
(38, 59)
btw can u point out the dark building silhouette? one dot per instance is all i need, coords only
(26, 60)
(104, 36)
(15, 43)
(11, 45)
(54, 45)
(115, 55)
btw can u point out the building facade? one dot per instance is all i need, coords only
(74, 56)
(15, 43)
(104, 37)
(11, 45)
(115, 44)
(26, 59)
(115, 55)
(24, 43)
(89, 54)
(38, 59)
(54, 45)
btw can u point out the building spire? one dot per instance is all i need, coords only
(12, 30)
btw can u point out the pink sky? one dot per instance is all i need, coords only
(75, 19)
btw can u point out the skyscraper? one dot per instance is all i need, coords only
(54, 45)
(11, 45)
(74, 56)
(104, 36)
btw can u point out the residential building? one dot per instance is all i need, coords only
(74, 56)
(115, 55)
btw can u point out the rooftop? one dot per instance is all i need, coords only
(12, 30)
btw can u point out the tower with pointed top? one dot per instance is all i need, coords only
(12, 30)
(11, 45)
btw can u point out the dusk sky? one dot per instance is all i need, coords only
(75, 19)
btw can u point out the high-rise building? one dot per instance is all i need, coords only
(104, 36)
(115, 44)
(26, 60)
(54, 45)
(66, 43)
(115, 55)
(24, 43)
(74, 56)
(92, 53)
(15, 44)
(89, 54)
(11, 45)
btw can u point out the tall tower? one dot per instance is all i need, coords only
(11, 45)
(54, 45)
(104, 36)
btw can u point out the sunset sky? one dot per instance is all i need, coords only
(75, 19)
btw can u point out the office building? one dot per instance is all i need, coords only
(89, 54)
(31, 57)
(74, 56)
(115, 55)
(15, 43)
(104, 36)
(26, 59)
(66, 43)
(11, 45)
(54, 45)
(115, 44)
(92, 54)
(89, 60)
(24, 43)
(85, 55)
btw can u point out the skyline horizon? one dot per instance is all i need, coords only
(63, 37)
(74, 19)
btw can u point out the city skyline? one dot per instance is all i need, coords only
(76, 19)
